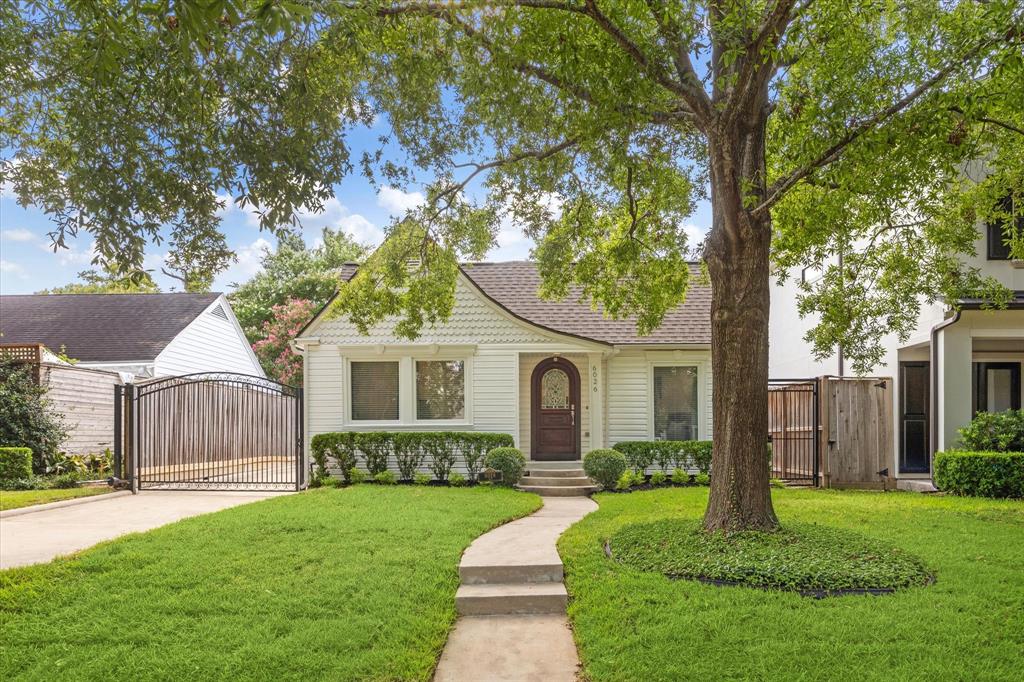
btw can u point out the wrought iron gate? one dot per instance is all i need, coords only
(794, 430)
(210, 431)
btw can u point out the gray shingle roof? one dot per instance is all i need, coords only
(514, 286)
(100, 327)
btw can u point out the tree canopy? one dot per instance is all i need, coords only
(99, 282)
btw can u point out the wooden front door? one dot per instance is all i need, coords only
(554, 411)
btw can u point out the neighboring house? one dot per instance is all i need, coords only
(952, 366)
(557, 375)
(145, 335)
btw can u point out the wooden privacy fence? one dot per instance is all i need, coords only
(835, 432)
(212, 431)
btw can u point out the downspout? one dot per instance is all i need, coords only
(933, 422)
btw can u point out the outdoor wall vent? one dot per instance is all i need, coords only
(219, 312)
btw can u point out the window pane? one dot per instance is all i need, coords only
(1000, 390)
(375, 391)
(675, 403)
(554, 390)
(440, 389)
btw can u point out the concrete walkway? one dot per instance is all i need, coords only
(44, 535)
(512, 625)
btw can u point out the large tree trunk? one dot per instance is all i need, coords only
(737, 255)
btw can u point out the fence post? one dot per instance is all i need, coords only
(118, 433)
(131, 463)
(816, 439)
(300, 459)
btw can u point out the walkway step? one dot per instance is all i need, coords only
(559, 491)
(555, 480)
(545, 466)
(556, 473)
(512, 573)
(508, 599)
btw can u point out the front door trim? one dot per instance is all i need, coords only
(573, 373)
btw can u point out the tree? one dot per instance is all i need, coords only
(26, 418)
(274, 348)
(815, 127)
(293, 271)
(97, 282)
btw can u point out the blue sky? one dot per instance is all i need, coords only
(28, 262)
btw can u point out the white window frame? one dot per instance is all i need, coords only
(407, 389)
(696, 364)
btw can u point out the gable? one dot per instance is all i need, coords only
(213, 342)
(474, 320)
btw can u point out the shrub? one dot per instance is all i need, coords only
(26, 418)
(702, 479)
(30, 483)
(457, 480)
(680, 477)
(421, 479)
(385, 477)
(68, 480)
(341, 447)
(375, 446)
(509, 461)
(776, 483)
(356, 476)
(658, 478)
(625, 481)
(408, 454)
(994, 432)
(604, 466)
(442, 455)
(680, 454)
(15, 463)
(985, 474)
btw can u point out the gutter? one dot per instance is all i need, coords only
(933, 422)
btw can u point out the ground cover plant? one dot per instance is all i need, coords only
(15, 499)
(349, 583)
(641, 625)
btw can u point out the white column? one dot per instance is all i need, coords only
(954, 384)
(594, 383)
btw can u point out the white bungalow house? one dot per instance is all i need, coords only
(142, 335)
(557, 375)
(952, 366)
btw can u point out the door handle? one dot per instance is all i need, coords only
(572, 413)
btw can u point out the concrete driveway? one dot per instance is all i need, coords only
(44, 535)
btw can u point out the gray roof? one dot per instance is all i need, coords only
(100, 327)
(514, 285)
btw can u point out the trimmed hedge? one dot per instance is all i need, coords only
(509, 461)
(604, 466)
(15, 463)
(981, 474)
(440, 450)
(994, 432)
(674, 454)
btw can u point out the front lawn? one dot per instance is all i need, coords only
(355, 583)
(15, 499)
(633, 625)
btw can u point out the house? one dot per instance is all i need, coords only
(558, 376)
(144, 335)
(952, 366)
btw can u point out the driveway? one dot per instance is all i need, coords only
(41, 536)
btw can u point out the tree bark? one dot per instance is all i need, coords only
(737, 254)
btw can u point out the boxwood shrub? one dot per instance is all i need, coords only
(994, 432)
(604, 466)
(408, 450)
(15, 463)
(509, 461)
(666, 454)
(982, 474)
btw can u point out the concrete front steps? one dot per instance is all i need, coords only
(557, 479)
(515, 569)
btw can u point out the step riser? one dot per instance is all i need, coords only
(511, 605)
(547, 480)
(554, 491)
(556, 473)
(491, 575)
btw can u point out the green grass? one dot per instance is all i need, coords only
(799, 556)
(635, 625)
(14, 499)
(344, 584)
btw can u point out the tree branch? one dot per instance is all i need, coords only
(985, 119)
(779, 188)
(671, 32)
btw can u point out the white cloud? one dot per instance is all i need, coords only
(397, 202)
(11, 268)
(18, 235)
(694, 236)
(361, 229)
(71, 255)
(250, 258)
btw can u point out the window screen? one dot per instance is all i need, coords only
(375, 391)
(440, 389)
(675, 403)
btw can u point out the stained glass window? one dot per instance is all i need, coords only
(554, 390)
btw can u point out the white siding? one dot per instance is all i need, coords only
(208, 344)
(494, 391)
(628, 394)
(474, 320)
